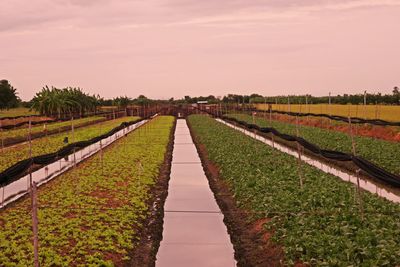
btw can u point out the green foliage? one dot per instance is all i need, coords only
(24, 130)
(52, 143)
(320, 224)
(385, 154)
(8, 95)
(90, 216)
(57, 102)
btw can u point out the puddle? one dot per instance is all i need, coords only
(345, 176)
(20, 187)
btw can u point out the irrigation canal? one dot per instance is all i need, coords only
(364, 183)
(194, 233)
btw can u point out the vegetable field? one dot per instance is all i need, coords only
(385, 154)
(51, 143)
(383, 112)
(14, 112)
(324, 223)
(91, 215)
(23, 132)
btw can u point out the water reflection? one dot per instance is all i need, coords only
(367, 185)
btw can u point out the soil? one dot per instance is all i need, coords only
(388, 133)
(250, 240)
(144, 253)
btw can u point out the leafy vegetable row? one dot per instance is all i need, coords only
(385, 154)
(50, 127)
(319, 224)
(90, 216)
(11, 155)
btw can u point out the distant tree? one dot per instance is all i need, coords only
(396, 95)
(58, 102)
(8, 95)
(122, 101)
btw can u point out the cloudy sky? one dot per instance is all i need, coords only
(172, 48)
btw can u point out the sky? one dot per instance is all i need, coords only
(174, 48)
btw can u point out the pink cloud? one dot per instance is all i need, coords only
(174, 48)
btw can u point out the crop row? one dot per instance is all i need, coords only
(11, 155)
(383, 153)
(15, 112)
(23, 132)
(90, 216)
(320, 224)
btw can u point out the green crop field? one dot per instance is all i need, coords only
(51, 143)
(23, 131)
(383, 153)
(90, 216)
(383, 112)
(14, 112)
(319, 225)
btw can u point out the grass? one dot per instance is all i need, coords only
(90, 216)
(319, 225)
(14, 112)
(49, 144)
(383, 153)
(384, 112)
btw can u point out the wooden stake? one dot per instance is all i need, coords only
(299, 154)
(359, 195)
(265, 107)
(2, 198)
(358, 189)
(353, 144)
(73, 138)
(1, 133)
(270, 117)
(35, 223)
(30, 154)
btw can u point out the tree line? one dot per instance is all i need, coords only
(52, 101)
(355, 99)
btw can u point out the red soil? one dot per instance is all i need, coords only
(389, 133)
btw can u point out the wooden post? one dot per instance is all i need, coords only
(101, 157)
(358, 189)
(35, 223)
(2, 198)
(30, 154)
(299, 154)
(329, 105)
(1, 133)
(359, 195)
(365, 104)
(270, 117)
(73, 138)
(353, 144)
(265, 107)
